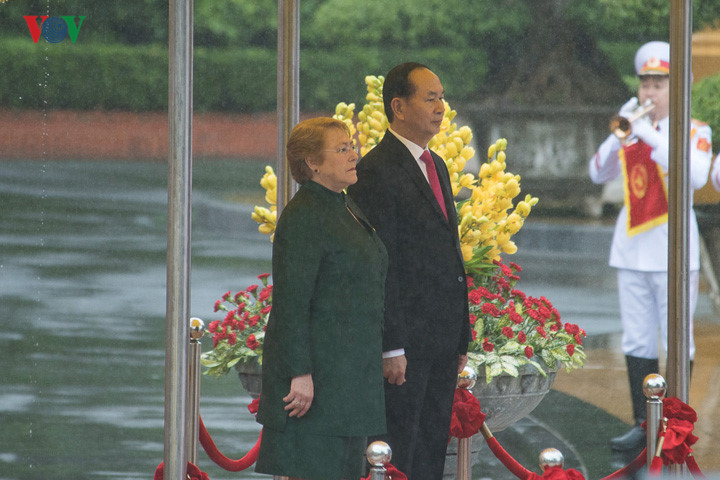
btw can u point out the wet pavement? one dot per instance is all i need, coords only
(82, 299)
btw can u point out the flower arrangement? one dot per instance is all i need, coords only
(509, 328)
(238, 338)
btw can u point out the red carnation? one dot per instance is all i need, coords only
(578, 339)
(232, 338)
(252, 289)
(515, 267)
(252, 321)
(265, 294)
(541, 331)
(212, 328)
(529, 352)
(227, 295)
(473, 319)
(490, 309)
(263, 276)
(516, 318)
(570, 349)
(470, 282)
(474, 335)
(508, 332)
(522, 337)
(218, 305)
(487, 346)
(266, 310)
(475, 297)
(252, 343)
(505, 269)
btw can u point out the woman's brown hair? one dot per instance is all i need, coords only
(307, 140)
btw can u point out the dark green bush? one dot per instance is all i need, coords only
(135, 78)
(706, 105)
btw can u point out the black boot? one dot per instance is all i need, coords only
(637, 368)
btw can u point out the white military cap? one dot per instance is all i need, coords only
(653, 58)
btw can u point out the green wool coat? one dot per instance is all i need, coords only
(327, 317)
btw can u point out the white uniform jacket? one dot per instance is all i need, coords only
(647, 251)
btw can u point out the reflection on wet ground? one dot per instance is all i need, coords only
(82, 299)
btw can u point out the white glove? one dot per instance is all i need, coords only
(626, 111)
(642, 129)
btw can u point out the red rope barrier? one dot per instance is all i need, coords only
(693, 467)
(221, 460)
(510, 463)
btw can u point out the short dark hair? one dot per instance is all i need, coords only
(398, 85)
(306, 141)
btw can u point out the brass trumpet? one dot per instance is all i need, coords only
(621, 127)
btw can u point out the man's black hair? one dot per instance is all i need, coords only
(398, 85)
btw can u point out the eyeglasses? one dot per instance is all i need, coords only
(344, 150)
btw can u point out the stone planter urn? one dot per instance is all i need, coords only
(507, 399)
(250, 377)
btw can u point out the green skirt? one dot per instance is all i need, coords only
(295, 453)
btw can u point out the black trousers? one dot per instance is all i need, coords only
(418, 417)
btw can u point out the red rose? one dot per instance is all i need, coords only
(522, 337)
(252, 343)
(570, 349)
(529, 352)
(508, 332)
(487, 346)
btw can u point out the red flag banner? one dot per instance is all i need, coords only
(646, 197)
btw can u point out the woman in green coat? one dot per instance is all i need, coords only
(322, 382)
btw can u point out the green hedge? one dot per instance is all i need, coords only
(118, 77)
(706, 105)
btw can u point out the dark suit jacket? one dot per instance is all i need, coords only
(426, 308)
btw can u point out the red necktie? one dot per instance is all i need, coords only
(433, 179)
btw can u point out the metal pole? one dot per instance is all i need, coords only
(178, 247)
(679, 200)
(197, 330)
(288, 92)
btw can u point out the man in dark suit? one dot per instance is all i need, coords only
(404, 189)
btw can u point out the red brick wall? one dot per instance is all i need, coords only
(123, 135)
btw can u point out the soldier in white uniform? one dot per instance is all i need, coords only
(640, 242)
(715, 174)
